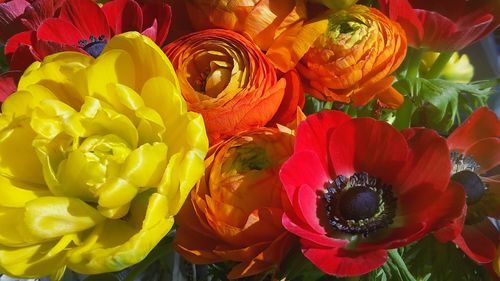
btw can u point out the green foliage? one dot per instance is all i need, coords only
(436, 103)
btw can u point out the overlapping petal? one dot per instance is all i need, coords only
(228, 217)
(227, 79)
(365, 156)
(109, 154)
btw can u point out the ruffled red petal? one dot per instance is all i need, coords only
(367, 145)
(428, 162)
(157, 16)
(87, 17)
(312, 133)
(60, 31)
(340, 262)
(123, 16)
(479, 241)
(8, 83)
(302, 168)
(294, 224)
(402, 12)
(10, 22)
(483, 123)
(486, 153)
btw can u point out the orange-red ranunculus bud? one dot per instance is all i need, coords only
(347, 55)
(261, 20)
(227, 79)
(234, 214)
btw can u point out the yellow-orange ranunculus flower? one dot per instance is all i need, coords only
(234, 214)
(345, 56)
(227, 79)
(261, 20)
(96, 157)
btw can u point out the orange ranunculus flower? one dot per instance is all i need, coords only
(235, 211)
(261, 20)
(347, 55)
(227, 79)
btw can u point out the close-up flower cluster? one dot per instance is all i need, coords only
(249, 140)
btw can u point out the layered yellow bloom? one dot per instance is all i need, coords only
(96, 157)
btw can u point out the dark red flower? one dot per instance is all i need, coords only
(444, 25)
(358, 187)
(475, 155)
(19, 15)
(81, 25)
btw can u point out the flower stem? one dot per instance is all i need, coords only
(398, 260)
(438, 65)
(415, 58)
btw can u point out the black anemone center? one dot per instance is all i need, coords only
(93, 46)
(473, 186)
(360, 204)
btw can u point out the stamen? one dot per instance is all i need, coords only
(95, 46)
(460, 162)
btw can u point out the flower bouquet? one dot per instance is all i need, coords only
(247, 139)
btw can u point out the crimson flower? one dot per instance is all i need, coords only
(81, 25)
(475, 155)
(358, 187)
(444, 25)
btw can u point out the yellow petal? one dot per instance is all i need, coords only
(51, 217)
(145, 165)
(146, 55)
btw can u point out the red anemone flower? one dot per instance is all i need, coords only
(81, 25)
(475, 155)
(19, 15)
(358, 187)
(444, 25)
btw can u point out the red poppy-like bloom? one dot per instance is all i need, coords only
(358, 187)
(81, 25)
(444, 25)
(475, 155)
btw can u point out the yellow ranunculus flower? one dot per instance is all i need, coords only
(96, 157)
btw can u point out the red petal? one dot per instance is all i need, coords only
(340, 262)
(23, 38)
(8, 83)
(450, 210)
(293, 98)
(161, 14)
(123, 15)
(483, 123)
(39, 11)
(59, 31)
(486, 153)
(479, 241)
(366, 145)
(402, 12)
(313, 133)
(303, 168)
(428, 162)
(295, 226)
(9, 18)
(311, 210)
(87, 17)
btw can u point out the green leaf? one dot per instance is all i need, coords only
(312, 105)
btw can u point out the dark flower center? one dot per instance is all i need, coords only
(360, 204)
(93, 46)
(473, 186)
